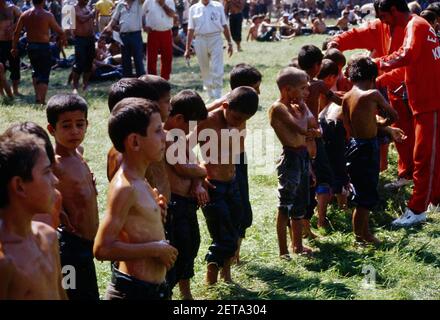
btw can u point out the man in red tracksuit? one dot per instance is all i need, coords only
(381, 39)
(420, 57)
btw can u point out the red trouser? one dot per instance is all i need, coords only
(405, 149)
(426, 161)
(160, 42)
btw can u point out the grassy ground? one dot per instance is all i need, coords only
(406, 265)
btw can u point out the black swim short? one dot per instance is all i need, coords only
(40, 57)
(84, 54)
(322, 169)
(235, 24)
(293, 182)
(13, 63)
(241, 170)
(363, 166)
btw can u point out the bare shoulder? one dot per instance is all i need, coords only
(121, 188)
(45, 231)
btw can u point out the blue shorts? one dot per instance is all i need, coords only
(241, 170)
(321, 167)
(334, 140)
(223, 215)
(293, 182)
(182, 212)
(363, 166)
(84, 54)
(40, 57)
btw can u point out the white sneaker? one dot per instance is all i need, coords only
(409, 218)
(432, 208)
(400, 182)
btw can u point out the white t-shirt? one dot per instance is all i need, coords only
(206, 19)
(156, 17)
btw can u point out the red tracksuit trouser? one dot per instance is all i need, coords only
(160, 42)
(426, 161)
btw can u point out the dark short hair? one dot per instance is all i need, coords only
(162, 86)
(36, 130)
(290, 76)
(434, 7)
(18, 156)
(35, 2)
(130, 115)
(328, 68)
(400, 5)
(336, 56)
(244, 74)
(243, 100)
(61, 103)
(308, 56)
(189, 104)
(429, 16)
(362, 68)
(131, 88)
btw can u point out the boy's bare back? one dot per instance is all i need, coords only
(281, 117)
(360, 110)
(30, 267)
(78, 188)
(38, 23)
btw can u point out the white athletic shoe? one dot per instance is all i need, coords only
(400, 182)
(409, 219)
(432, 208)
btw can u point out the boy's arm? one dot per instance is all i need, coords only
(216, 104)
(383, 105)
(107, 244)
(280, 115)
(18, 28)
(6, 273)
(191, 171)
(330, 95)
(55, 27)
(346, 119)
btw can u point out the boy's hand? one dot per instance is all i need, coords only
(207, 185)
(313, 133)
(201, 195)
(162, 203)
(167, 253)
(397, 134)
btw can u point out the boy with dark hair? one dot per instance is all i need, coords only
(131, 233)
(223, 213)
(360, 107)
(242, 75)
(292, 120)
(27, 187)
(67, 118)
(342, 84)
(310, 59)
(187, 192)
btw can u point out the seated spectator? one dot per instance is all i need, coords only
(253, 30)
(56, 50)
(267, 31)
(286, 27)
(342, 22)
(178, 44)
(318, 24)
(105, 67)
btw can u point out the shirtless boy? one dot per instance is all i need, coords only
(360, 107)
(9, 15)
(67, 118)
(224, 211)
(291, 120)
(38, 22)
(187, 192)
(29, 257)
(131, 233)
(84, 44)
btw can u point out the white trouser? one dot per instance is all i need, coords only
(209, 51)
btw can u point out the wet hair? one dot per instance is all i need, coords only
(429, 16)
(362, 68)
(336, 56)
(36, 130)
(18, 155)
(130, 115)
(244, 74)
(189, 104)
(243, 100)
(131, 88)
(61, 103)
(328, 68)
(309, 56)
(400, 5)
(290, 76)
(161, 85)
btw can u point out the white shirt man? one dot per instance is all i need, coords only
(159, 19)
(206, 21)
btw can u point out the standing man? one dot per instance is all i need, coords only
(159, 19)
(234, 8)
(128, 15)
(38, 22)
(103, 13)
(206, 21)
(84, 44)
(420, 57)
(9, 15)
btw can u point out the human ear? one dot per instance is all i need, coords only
(17, 187)
(51, 129)
(133, 141)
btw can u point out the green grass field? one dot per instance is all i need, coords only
(406, 265)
